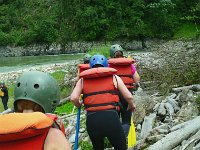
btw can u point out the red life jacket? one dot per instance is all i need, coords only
(24, 130)
(99, 92)
(124, 70)
(83, 67)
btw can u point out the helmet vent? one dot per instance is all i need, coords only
(36, 86)
(18, 84)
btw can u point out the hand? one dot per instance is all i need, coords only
(80, 102)
(81, 99)
(132, 107)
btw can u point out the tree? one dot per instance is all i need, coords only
(161, 19)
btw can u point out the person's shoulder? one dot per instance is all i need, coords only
(60, 140)
(54, 132)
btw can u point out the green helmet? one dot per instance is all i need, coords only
(115, 48)
(38, 87)
(86, 58)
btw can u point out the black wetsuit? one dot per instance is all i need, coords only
(103, 124)
(125, 115)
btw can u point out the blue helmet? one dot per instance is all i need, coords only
(98, 60)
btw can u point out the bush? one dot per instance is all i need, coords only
(4, 39)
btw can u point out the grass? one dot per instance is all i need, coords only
(103, 50)
(187, 31)
(59, 76)
(66, 108)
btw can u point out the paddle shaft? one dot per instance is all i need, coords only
(77, 128)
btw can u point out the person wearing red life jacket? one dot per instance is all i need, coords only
(100, 87)
(32, 126)
(127, 71)
(83, 67)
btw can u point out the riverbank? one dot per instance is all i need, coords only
(49, 68)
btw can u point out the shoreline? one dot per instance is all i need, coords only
(10, 76)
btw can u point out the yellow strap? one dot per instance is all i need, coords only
(131, 135)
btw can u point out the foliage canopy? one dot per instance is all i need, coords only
(25, 22)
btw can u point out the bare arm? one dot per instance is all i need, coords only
(125, 93)
(56, 140)
(136, 77)
(76, 93)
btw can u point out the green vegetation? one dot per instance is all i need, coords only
(64, 89)
(66, 108)
(63, 22)
(103, 50)
(85, 145)
(187, 31)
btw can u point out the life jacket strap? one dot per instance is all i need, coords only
(114, 92)
(123, 75)
(102, 104)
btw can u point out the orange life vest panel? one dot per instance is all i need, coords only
(83, 67)
(124, 70)
(24, 131)
(99, 92)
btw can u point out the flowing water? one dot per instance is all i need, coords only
(8, 64)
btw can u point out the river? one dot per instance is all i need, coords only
(8, 64)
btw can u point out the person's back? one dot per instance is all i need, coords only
(127, 71)
(4, 95)
(124, 70)
(124, 66)
(37, 92)
(24, 131)
(100, 88)
(4, 90)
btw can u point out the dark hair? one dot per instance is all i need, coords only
(86, 62)
(118, 54)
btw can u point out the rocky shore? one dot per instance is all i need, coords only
(11, 76)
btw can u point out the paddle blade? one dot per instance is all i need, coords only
(131, 135)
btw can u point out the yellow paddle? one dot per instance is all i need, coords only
(131, 135)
